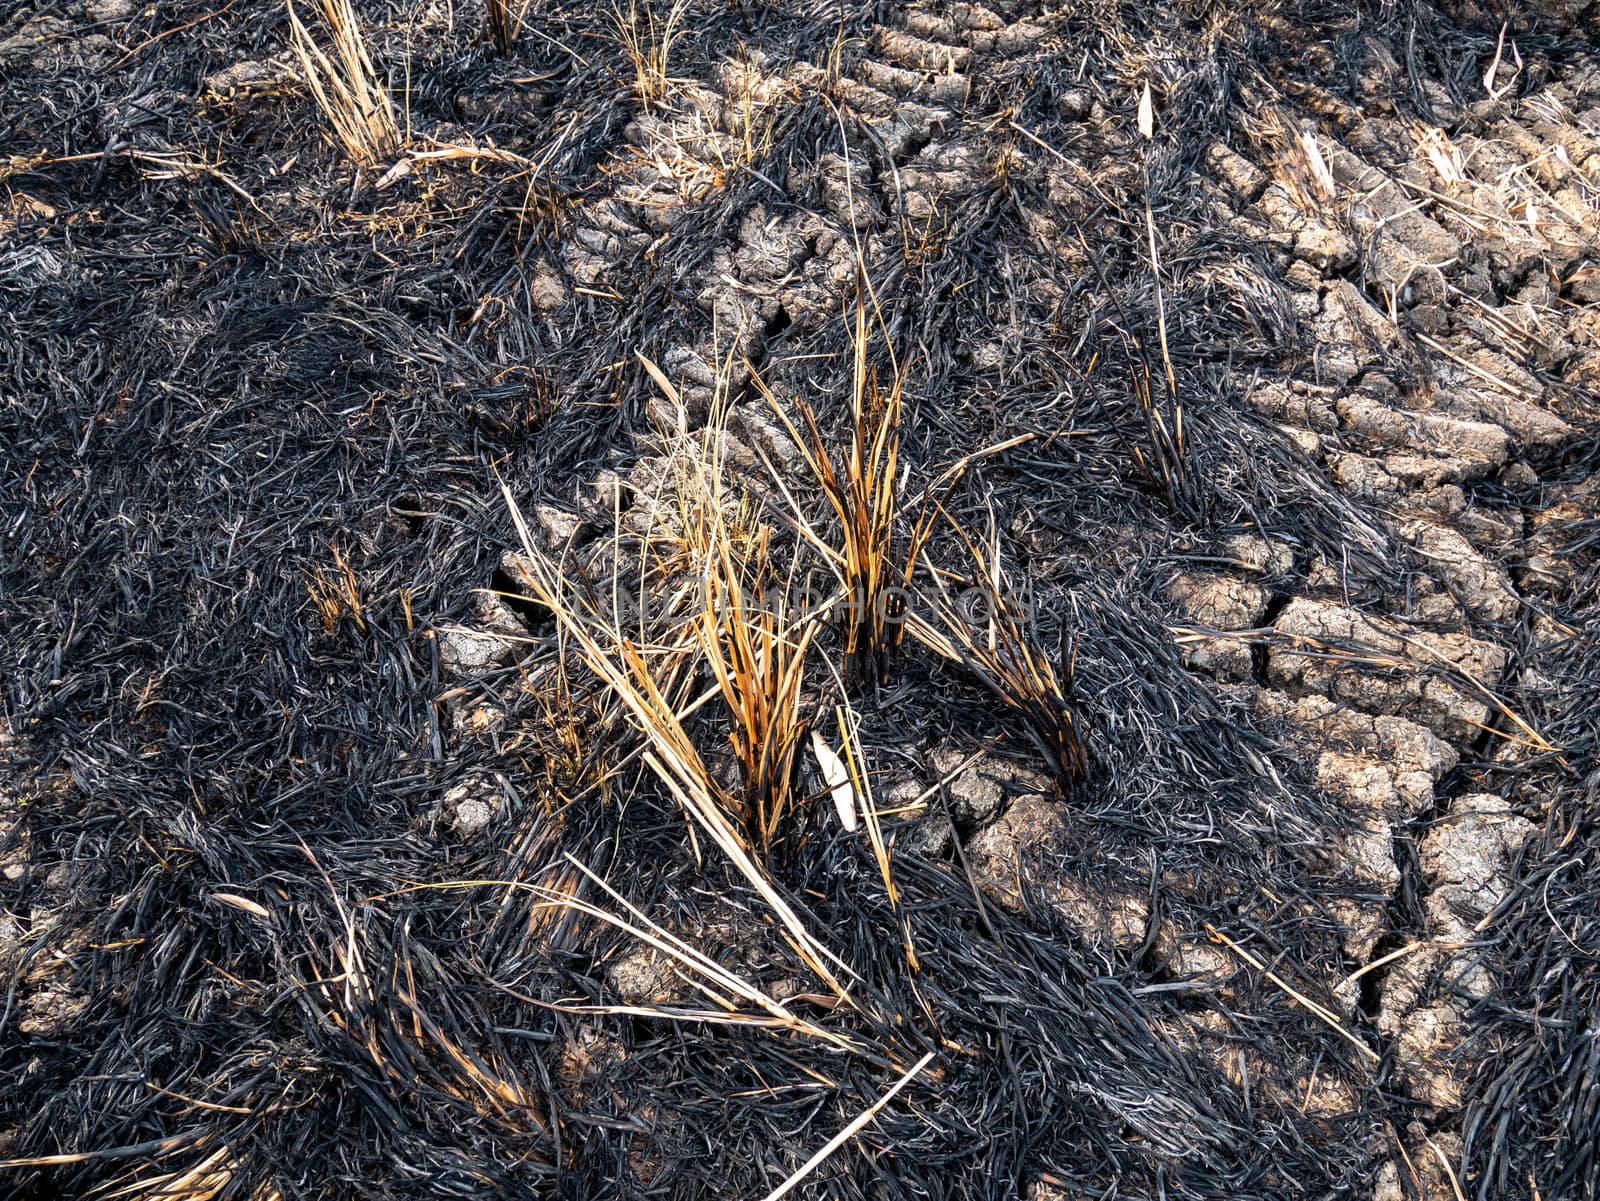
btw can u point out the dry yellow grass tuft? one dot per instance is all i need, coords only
(648, 43)
(335, 591)
(875, 558)
(754, 643)
(346, 87)
(755, 655)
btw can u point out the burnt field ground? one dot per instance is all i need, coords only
(361, 838)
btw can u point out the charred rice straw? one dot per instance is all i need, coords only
(1003, 652)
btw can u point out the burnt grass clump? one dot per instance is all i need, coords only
(255, 405)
